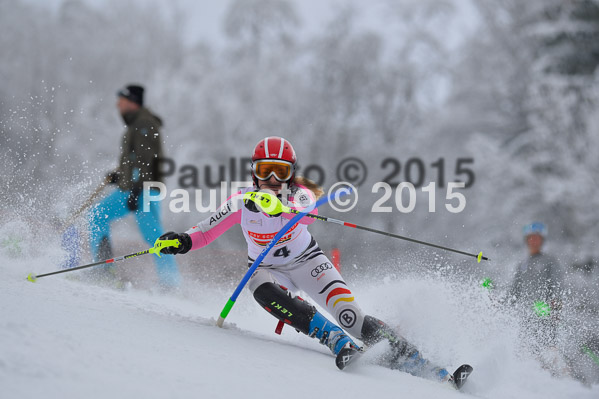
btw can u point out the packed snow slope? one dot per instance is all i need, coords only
(63, 338)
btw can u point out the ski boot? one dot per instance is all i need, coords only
(329, 334)
(402, 355)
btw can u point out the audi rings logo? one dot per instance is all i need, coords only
(321, 268)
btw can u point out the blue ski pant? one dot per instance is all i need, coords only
(114, 207)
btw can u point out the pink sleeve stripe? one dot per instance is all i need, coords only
(200, 239)
(305, 220)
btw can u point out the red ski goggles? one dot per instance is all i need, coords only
(281, 170)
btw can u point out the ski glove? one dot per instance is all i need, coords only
(133, 200)
(251, 205)
(112, 178)
(183, 238)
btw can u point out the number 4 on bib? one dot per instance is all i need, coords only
(283, 251)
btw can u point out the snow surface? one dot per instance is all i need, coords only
(63, 338)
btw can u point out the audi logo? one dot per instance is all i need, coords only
(321, 268)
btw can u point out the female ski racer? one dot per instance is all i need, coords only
(297, 263)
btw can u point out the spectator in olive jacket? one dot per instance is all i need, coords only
(140, 151)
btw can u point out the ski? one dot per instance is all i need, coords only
(346, 356)
(349, 355)
(461, 375)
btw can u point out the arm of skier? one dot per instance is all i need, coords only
(208, 230)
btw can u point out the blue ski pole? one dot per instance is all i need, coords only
(271, 244)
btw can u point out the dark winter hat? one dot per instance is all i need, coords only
(133, 93)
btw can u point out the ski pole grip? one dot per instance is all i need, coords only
(267, 202)
(160, 244)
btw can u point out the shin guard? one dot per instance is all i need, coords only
(292, 310)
